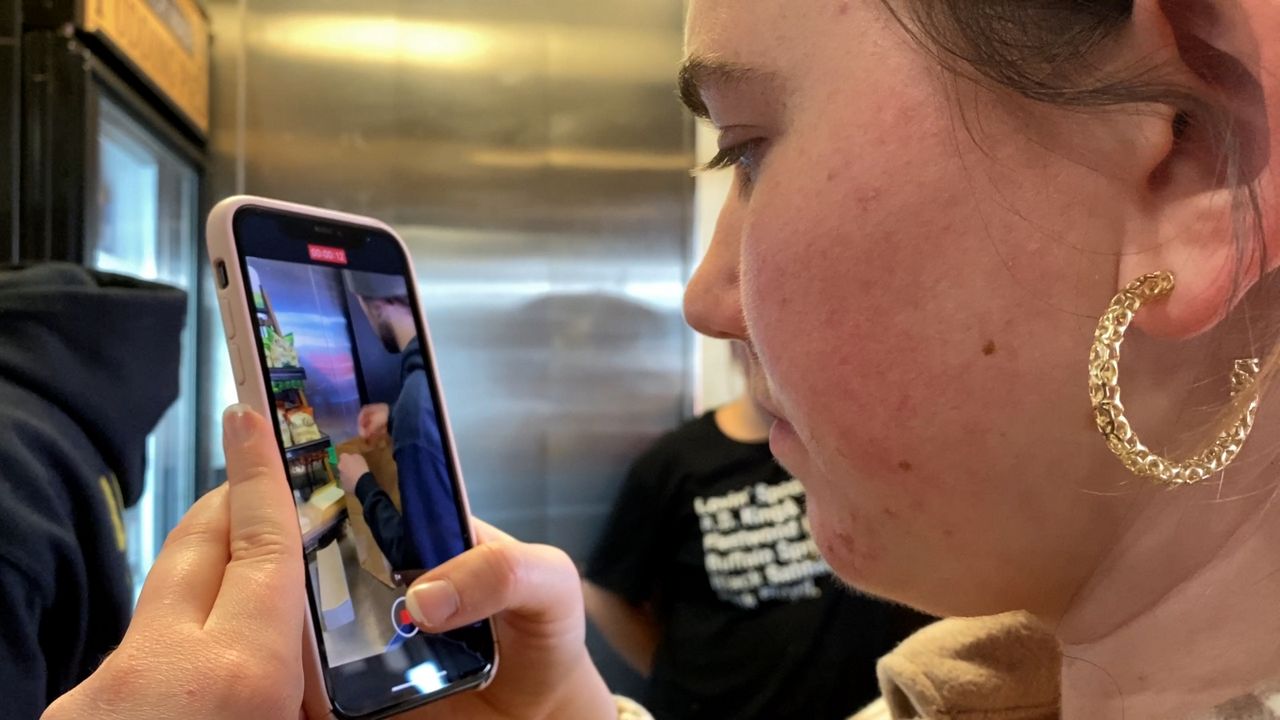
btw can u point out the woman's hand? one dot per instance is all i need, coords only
(535, 597)
(218, 628)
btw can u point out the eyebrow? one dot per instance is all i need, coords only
(697, 73)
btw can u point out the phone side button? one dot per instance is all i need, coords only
(228, 326)
(237, 367)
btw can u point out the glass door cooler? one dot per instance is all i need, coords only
(112, 123)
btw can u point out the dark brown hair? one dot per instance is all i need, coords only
(1042, 49)
(1045, 50)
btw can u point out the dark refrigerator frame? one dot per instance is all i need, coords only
(53, 75)
(10, 124)
(62, 71)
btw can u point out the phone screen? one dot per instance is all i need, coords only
(366, 451)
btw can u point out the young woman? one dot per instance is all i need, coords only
(939, 209)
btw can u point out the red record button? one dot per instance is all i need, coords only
(401, 620)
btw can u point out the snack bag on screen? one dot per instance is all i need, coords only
(302, 426)
(286, 436)
(288, 352)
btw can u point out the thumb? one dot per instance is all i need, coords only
(262, 587)
(538, 583)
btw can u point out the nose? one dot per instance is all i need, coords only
(713, 299)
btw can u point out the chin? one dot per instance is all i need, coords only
(843, 549)
(859, 557)
(860, 541)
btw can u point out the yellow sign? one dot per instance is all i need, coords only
(168, 41)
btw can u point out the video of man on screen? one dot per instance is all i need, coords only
(362, 444)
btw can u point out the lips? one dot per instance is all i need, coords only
(785, 446)
(759, 386)
(757, 382)
(766, 403)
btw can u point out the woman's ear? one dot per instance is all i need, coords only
(1211, 184)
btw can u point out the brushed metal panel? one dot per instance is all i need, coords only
(536, 160)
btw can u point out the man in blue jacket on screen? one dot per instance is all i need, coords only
(426, 530)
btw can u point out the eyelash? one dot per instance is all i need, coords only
(742, 156)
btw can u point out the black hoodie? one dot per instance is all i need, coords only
(88, 363)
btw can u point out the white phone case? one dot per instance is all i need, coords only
(251, 387)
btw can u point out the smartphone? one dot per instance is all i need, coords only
(326, 336)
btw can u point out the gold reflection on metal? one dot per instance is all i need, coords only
(376, 39)
(581, 159)
(617, 54)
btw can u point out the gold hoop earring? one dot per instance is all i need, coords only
(1108, 411)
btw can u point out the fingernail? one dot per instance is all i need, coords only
(432, 604)
(237, 426)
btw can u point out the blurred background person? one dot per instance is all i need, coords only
(706, 580)
(88, 364)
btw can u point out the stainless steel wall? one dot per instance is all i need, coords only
(535, 158)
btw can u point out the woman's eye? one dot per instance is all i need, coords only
(744, 157)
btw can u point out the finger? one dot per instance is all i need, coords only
(487, 533)
(538, 583)
(262, 588)
(186, 575)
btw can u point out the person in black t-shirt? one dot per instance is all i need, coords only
(707, 581)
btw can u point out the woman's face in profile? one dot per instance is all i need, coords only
(919, 265)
